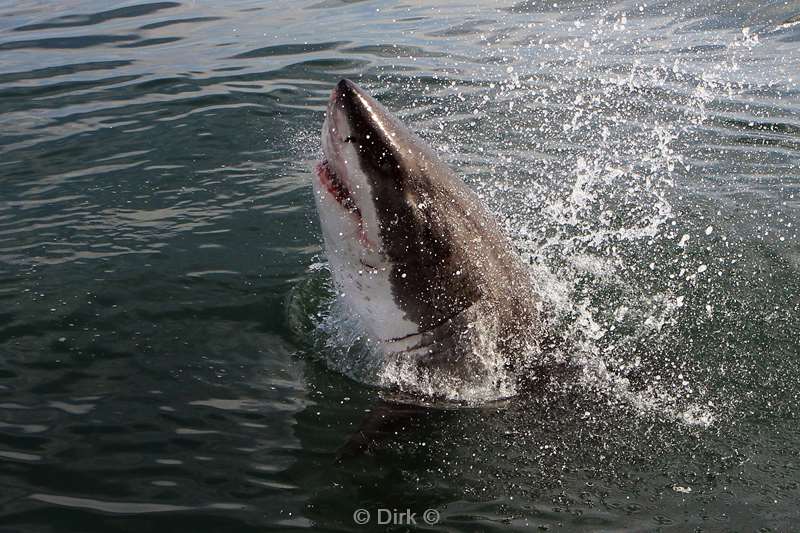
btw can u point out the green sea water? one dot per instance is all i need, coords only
(172, 354)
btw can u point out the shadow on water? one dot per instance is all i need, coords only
(557, 457)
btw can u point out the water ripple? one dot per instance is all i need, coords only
(73, 20)
(156, 210)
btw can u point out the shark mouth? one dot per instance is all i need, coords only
(336, 187)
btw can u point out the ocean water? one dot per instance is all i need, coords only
(173, 357)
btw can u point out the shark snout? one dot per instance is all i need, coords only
(339, 128)
(345, 93)
(358, 118)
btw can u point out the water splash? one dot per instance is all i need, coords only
(583, 150)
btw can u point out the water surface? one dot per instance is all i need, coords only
(169, 355)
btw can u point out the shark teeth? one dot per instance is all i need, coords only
(336, 187)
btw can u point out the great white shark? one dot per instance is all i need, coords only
(414, 253)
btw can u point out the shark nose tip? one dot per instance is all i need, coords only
(345, 90)
(345, 85)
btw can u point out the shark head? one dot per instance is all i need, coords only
(409, 245)
(364, 173)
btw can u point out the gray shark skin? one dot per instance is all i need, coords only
(432, 276)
